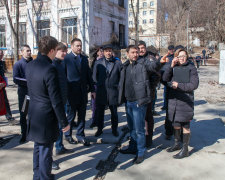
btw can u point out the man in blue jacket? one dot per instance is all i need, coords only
(19, 78)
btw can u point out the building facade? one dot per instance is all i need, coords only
(147, 17)
(95, 22)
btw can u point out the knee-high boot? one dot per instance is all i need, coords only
(184, 151)
(177, 143)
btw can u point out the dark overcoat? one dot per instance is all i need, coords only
(107, 81)
(46, 109)
(79, 78)
(62, 78)
(181, 100)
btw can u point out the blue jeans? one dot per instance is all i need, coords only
(136, 123)
(59, 143)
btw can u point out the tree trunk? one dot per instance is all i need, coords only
(14, 29)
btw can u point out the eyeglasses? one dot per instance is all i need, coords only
(179, 57)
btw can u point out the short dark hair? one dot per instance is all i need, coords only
(170, 47)
(132, 47)
(75, 39)
(141, 43)
(46, 44)
(61, 46)
(24, 46)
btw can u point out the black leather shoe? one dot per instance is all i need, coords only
(63, 151)
(55, 165)
(115, 133)
(138, 160)
(71, 140)
(85, 142)
(127, 151)
(98, 133)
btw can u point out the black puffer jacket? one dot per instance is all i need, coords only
(181, 100)
(142, 71)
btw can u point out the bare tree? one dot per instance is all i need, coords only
(14, 28)
(136, 19)
(206, 20)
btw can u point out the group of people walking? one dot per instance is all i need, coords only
(58, 84)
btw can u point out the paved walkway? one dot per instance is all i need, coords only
(102, 161)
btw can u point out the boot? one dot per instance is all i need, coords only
(177, 145)
(184, 151)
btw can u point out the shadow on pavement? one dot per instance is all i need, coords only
(205, 133)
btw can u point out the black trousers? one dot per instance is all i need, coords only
(42, 161)
(8, 110)
(100, 112)
(149, 121)
(168, 123)
(80, 110)
(22, 92)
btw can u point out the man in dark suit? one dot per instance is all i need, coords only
(106, 75)
(46, 108)
(80, 83)
(19, 78)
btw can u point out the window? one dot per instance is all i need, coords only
(144, 4)
(144, 21)
(130, 6)
(144, 13)
(2, 36)
(152, 12)
(122, 35)
(112, 25)
(152, 3)
(130, 22)
(22, 34)
(69, 29)
(121, 3)
(130, 14)
(151, 21)
(43, 28)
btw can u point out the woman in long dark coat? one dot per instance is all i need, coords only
(183, 78)
(98, 54)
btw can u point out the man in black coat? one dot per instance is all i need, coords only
(80, 83)
(106, 75)
(135, 91)
(154, 80)
(19, 78)
(46, 108)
